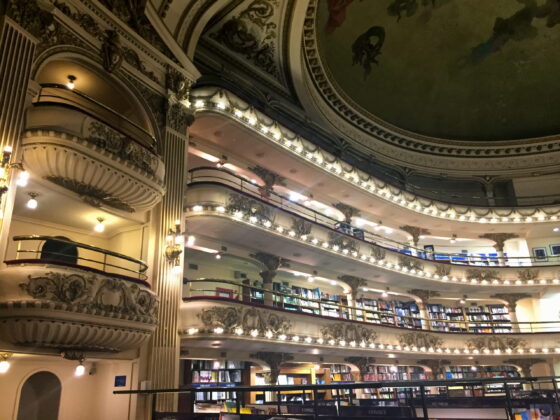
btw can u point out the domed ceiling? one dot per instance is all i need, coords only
(452, 69)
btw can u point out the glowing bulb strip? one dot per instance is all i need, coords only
(312, 154)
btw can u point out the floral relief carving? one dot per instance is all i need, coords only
(493, 342)
(243, 204)
(348, 332)
(252, 34)
(91, 293)
(443, 270)
(482, 274)
(342, 241)
(91, 195)
(122, 146)
(418, 339)
(377, 252)
(248, 319)
(528, 274)
(301, 227)
(410, 263)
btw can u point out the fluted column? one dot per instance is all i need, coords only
(164, 346)
(17, 50)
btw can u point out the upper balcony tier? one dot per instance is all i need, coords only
(83, 146)
(226, 207)
(252, 130)
(64, 295)
(248, 326)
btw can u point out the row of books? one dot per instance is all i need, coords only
(213, 376)
(216, 364)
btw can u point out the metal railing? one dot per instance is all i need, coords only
(100, 259)
(54, 93)
(228, 179)
(227, 290)
(412, 399)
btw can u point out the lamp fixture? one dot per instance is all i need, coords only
(80, 369)
(32, 202)
(71, 80)
(453, 239)
(218, 256)
(5, 166)
(4, 364)
(385, 293)
(175, 244)
(99, 226)
(463, 300)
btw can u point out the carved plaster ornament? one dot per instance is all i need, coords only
(342, 241)
(424, 294)
(378, 252)
(483, 274)
(301, 227)
(499, 239)
(248, 319)
(274, 361)
(495, 342)
(443, 270)
(411, 263)
(111, 51)
(415, 232)
(418, 339)
(347, 211)
(511, 298)
(360, 362)
(348, 332)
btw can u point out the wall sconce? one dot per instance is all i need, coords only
(175, 244)
(99, 226)
(5, 166)
(4, 364)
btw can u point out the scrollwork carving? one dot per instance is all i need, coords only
(348, 332)
(493, 343)
(93, 294)
(239, 203)
(342, 241)
(411, 263)
(301, 227)
(418, 339)
(482, 274)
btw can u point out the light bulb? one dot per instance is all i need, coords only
(218, 257)
(4, 366)
(8, 149)
(22, 179)
(384, 294)
(80, 370)
(32, 203)
(99, 226)
(70, 84)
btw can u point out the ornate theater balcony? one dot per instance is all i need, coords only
(226, 207)
(62, 295)
(208, 314)
(83, 146)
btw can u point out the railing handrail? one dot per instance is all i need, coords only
(350, 385)
(143, 267)
(136, 126)
(428, 321)
(472, 258)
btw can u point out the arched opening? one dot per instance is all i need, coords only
(40, 397)
(60, 251)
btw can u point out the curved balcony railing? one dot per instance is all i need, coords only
(227, 290)
(31, 250)
(57, 94)
(211, 175)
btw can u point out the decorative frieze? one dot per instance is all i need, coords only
(410, 262)
(420, 340)
(493, 343)
(346, 332)
(528, 274)
(482, 274)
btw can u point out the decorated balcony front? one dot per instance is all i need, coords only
(226, 310)
(224, 205)
(85, 147)
(61, 295)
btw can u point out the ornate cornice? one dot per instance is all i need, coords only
(216, 100)
(413, 145)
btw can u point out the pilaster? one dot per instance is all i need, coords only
(17, 51)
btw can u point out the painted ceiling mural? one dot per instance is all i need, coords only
(453, 69)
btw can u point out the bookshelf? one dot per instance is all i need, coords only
(477, 319)
(474, 372)
(208, 374)
(391, 373)
(379, 311)
(295, 375)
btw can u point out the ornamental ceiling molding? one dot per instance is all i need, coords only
(405, 141)
(379, 130)
(215, 100)
(250, 35)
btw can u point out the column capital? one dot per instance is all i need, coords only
(415, 232)
(511, 298)
(178, 116)
(347, 210)
(499, 239)
(354, 283)
(274, 361)
(424, 294)
(360, 362)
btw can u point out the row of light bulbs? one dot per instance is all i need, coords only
(240, 215)
(369, 185)
(5, 365)
(254, 333)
